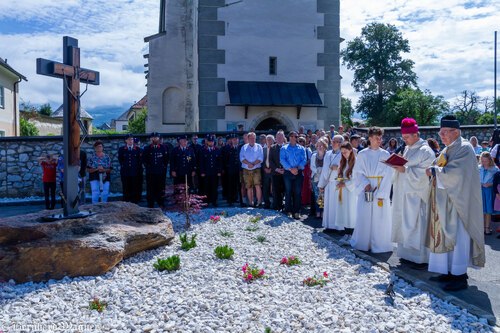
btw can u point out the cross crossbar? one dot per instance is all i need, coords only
(59, 70)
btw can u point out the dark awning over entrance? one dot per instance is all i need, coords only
(257, 93)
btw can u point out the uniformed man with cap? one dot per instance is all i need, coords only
(231, 167)
(130, 159)
(183, 162)
(210, 169)
(155, 159)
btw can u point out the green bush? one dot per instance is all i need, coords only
(223, 252)
(185, 244)
(172, 263)
(261, 239)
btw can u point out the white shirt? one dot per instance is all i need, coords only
(251, 154)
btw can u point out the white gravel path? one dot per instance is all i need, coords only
(209, 295)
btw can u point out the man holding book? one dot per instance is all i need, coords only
(411, 196)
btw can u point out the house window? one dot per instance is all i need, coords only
(2, 133)
(124, 127)
(273, 65)
(2, 98)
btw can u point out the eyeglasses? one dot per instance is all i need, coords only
(336, 141)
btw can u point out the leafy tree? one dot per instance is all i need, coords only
(420, 105)
(45, 109)
(138, 124)
(107, 131)
(466, 107)
(379, 69)
(346, 111)
(27, 128)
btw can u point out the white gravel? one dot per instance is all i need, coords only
(209, 295)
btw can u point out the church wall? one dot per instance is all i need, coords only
(304, 36)
(172, 71)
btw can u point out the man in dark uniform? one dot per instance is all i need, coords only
(223, 178)
(155, 159)
(196, 148)
(231, 166)
(210, 169)
(130, 160)
(183, 163)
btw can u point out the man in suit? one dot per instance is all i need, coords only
(183, 163)
(155, 159)
(130, 159)
(210, 169)
(277, 171)
(231, 167)
(267, 174)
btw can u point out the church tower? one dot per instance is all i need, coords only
(172, 69)
(222, 65)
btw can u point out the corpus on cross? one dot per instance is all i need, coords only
(72, 74)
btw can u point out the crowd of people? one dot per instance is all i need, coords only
(436, 205)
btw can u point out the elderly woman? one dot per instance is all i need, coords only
(99, 168)
(475, 144)
(316, 167)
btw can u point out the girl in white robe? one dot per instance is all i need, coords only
(374, 220)
(328, 181)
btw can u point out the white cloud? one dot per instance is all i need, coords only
(451, 44)
(111, 38)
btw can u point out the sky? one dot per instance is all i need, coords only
(451, 44)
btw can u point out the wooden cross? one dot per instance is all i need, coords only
(72, 74)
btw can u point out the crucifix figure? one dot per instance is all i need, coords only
(72, 74)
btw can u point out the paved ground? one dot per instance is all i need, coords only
(481, 298)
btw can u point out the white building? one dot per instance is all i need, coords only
(120, 124)
(9, 99)
(257, 63)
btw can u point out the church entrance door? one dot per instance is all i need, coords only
(270, 124)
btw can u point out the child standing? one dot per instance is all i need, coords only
(49, 164)
(487, 172)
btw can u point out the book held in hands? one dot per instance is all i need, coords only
(395, 160)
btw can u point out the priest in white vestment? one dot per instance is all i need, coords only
(328, 181)
(374, 220)
(411, 196)
(456, 238)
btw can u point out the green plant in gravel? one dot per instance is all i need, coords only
(255, 219)
(261, 239)
(225, 233)
(96, 304)
(223, 252)
(268, 330)
(186, 244)
(171, 263)
(254, 228)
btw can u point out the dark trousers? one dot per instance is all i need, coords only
(293, 188)
(233, 187)
(131, 188)
(267, 179)
(49, 189)
(155, 189)
(181, 180)
(278, 191)
(210, 187)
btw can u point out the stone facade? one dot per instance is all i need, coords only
(203, 44)
(21, 175)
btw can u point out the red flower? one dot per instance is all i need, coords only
(325, 274)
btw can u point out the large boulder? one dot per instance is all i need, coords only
(32, 250)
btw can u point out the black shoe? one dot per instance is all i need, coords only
(419, 267)
(442, 278)
(459, 282)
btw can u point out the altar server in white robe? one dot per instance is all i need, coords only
(456, 238)
(411, 196)
(341, 196)
(374, 220)
(328, 181)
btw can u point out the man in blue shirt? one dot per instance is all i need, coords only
(293, 159)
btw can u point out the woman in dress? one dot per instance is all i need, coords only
(316, 167)
(99, 168)
(328, 182)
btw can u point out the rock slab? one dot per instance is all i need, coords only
(34, 251)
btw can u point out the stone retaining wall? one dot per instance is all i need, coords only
(21, 174)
